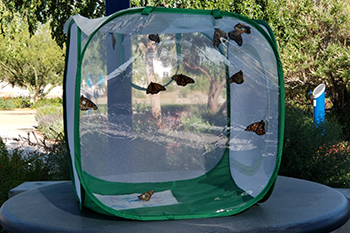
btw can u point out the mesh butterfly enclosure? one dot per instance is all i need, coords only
(172, 113)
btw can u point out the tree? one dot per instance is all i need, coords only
(32, 62)
(54, 12)
(313, 38)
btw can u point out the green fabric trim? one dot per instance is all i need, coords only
(77, 119)
(217, 14)
(210, 195)
(147, 10)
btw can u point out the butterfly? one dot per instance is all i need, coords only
(182, 80)
(236, 34)
(113, 40)
(146, 195)
(154, 88)
(237, 78)
(258, 127)
(217, 35)
(154, 37)
(86, 104)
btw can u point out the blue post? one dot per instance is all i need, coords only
(319, 104)
(119, 97)
(113, 6)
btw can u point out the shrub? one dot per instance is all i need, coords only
(50, 120)
(314, 153)
(18, 166)
(49, 101)
(7, 104)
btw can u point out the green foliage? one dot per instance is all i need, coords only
(314, 48)
(7, 104)
(17, 167)
(54, 12)
(33, 62)
(49, 101)
(50, 120)
(314, 153)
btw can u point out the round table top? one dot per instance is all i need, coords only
(294, 206)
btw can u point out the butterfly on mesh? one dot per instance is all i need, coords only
(86, 104)
(217, 35)
(236, 34)
(113, 40)
(237, 78)
(146, 196)
(258, 127)
(154, 88)
(154, 37)
(182, 80)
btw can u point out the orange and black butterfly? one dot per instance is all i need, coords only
(86, 104)
(258, 127)
(154, 37)
(236, 34)
(182, 80)
(154, 88)
(113, 40)
(217, 35)
(237, 78)
(146, 195)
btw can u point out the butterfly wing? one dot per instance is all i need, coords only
(217, 35)
(146, 196)
(241, 28)
(258, 128)
(154, 37)
(113, 41)
(154, 88)
(236, 36)
(182, 80)
(237, 78)
(86, 104)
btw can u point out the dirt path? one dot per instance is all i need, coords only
(14, 123)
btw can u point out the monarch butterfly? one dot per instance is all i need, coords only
(217, 35)
(146, 195)
(237, 78)
(258, 127)
(242, 28)
(154, 37)
(113, 40)
(86, 104)
(182, 80)
(236, 34)
(154, 88)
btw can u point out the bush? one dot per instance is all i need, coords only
(50, 120)
(17, 167)
(314, 153)
(47, 163)
(49, 101)
(7, 104)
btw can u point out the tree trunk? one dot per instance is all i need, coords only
(155, 101)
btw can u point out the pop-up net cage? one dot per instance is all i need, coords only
(172, 113)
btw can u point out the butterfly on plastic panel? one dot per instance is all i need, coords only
(154, 37)
(217, 35)
(146, 196)
(154, 88)
(237, 78)
(86, 104)
(258, 127)
(182, 80)
(236, 34)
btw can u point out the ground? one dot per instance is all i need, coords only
(16, 123)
